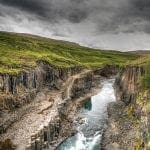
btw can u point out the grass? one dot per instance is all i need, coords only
(146, 76)
(19, 52)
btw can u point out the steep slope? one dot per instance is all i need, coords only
(47, 113)
(129, 118)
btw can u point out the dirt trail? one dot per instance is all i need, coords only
(44, 110)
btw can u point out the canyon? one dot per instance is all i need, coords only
(42, 119)
(43, 116)
(44, 83)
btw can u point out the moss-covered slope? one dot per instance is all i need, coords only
(18, 52)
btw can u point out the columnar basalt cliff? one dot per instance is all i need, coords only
(56, 131)
(72, 83)
(128, 84)
(128, 123)
(60, 128)
(19, 90)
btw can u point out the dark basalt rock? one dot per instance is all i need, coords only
(13, 88)
(107, 71)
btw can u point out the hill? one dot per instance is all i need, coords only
(19, 52)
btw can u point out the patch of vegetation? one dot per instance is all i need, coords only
(131, 114)
(19, 52)
(138, 144)
(146, 76)
(143, 100)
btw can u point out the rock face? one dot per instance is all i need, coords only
(82, 85)
(107, 71)
(21, 89)
(128, 84)
(55, 132)
(18, 91)
(128, 119)
(46, 136)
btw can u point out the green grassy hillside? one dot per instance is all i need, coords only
(18, 52)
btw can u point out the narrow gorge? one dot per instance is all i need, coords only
(50, 98)
(41, 115)
(57, 95)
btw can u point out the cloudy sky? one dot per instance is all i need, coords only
(107, 24)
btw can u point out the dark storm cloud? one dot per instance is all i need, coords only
(109, 15)
(29, 5)
(141, 4)
(130, 16)
(141, 9)
(52, 10)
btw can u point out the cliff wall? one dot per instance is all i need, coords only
(61, 127)
(17, 91)
(72, 83)
(129, 117)
(20, 89)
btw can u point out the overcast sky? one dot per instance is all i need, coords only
(106, 24)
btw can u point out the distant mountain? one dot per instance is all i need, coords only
(140, 52)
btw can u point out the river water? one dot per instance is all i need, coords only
(93, 118)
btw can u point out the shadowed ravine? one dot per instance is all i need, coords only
(93, 114)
